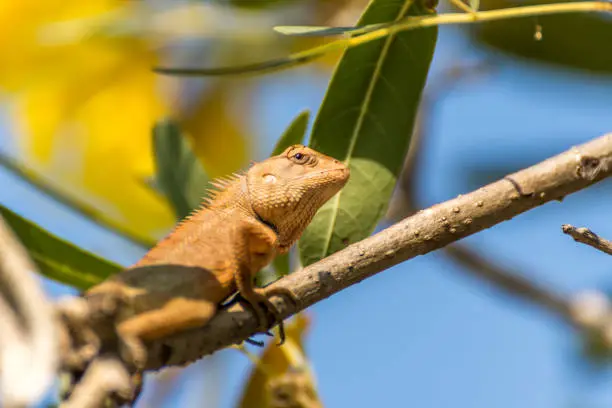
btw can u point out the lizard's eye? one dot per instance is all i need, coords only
(300, 158)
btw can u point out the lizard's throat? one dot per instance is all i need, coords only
(247, 194)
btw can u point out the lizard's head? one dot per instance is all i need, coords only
(287, 190)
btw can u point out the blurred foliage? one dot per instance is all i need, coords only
(257, 4)
(276, 366)
(179, 174)
(93, 98)
(58, 259)
(366, 120)
(572, 40)
(596, 348)
(294, 134)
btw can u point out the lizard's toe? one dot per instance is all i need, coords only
(266, 312)
(269, 306)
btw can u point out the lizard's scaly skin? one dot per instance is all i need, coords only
(217, 250)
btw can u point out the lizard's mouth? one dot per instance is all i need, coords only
(344, 171)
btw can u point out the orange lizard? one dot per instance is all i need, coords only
(216, 251)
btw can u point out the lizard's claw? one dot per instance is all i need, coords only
(265, 324)
(254, 342)
(281, 333)
(279, 291)
(258, 343)
(260, 304)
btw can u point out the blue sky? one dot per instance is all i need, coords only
(424, 333)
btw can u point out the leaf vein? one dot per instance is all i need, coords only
(358, 125)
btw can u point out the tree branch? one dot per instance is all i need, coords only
(588, 237)
(419, 234)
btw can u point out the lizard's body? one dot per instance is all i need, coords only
(217, 251)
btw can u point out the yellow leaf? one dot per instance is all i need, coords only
(284, 367)
(219, 138)
(95, 138)
(84, 107)
(28, 52)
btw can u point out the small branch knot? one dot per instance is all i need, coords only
(590, 167)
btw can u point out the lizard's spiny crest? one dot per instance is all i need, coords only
(219, 187)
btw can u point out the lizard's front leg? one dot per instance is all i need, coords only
(255, 249)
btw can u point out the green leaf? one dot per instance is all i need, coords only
(179, 173)
(366, 120)
(568, 40)
(475, 5)
(58, 259)
(294, 134)
(281, 265)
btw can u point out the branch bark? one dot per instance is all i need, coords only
(425, 231)
(588, 237)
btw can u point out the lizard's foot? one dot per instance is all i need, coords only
(280, 292)
(260, 303)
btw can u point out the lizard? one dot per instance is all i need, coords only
(216, 251)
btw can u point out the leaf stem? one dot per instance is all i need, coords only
(363, 35)
(477, 17)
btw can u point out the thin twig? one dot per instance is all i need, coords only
(462, 6)
(28, 357)
(374, 32)
(588, 237)
(419, 234)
